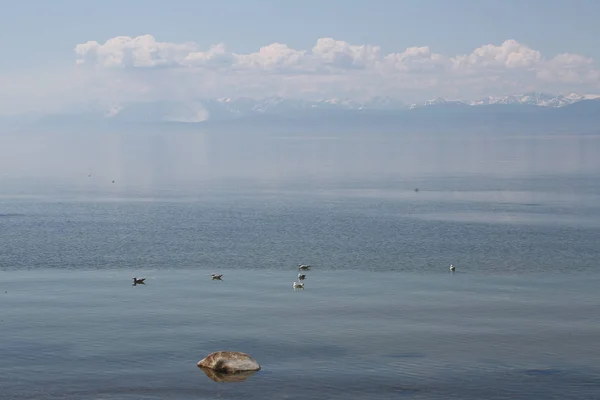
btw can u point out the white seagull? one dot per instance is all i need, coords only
(302, 267)
(298, 285)
(452, 268)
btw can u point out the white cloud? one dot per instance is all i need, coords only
(217, 56)
(340, 67)
(341, 54)
(569, 68)
(141, 51)
(273, 57)
(417, 60)
(143, 68)
(509, 55)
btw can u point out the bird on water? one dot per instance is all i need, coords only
(139, 281)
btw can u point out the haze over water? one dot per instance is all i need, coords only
(381, 315)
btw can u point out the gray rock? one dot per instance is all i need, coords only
(229, 362)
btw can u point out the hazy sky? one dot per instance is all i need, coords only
(66, 55)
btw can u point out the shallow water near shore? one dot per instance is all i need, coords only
(90, 334)
(381, 315)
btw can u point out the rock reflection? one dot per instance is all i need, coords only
(227, 377)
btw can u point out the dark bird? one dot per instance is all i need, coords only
(301, 277)
(138, 281)
(216, 277)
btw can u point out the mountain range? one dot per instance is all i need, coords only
(228, 108)
(543, 110)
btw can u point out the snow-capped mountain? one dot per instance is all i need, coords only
(441, 100)
(535, 99)
(278, 108)
(387, 103)
(228, 108)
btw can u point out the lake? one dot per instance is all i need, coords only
(381, 315)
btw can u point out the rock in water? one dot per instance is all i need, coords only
(229, 362)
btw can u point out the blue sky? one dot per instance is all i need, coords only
(37, 40)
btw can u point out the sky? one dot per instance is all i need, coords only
(67, 56)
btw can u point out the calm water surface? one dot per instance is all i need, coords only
(381, 315)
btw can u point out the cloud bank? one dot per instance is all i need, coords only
(143, 68)
(335, 68)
